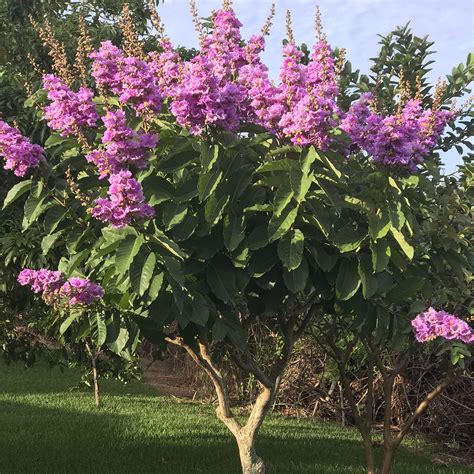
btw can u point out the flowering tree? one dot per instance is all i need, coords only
(399, 277)
(207, 199)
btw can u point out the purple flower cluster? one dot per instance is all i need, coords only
(41, 281)
(81, 291)
(131, 79)
(310, 92)
(20, 155)
(432, 324)
(52, 286)
(125, 203)
(401, 140)
(227, 84)
(166, 68)
(202, 100)
(68, 110)
(123, 146)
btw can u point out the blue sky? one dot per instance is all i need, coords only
(353, 24)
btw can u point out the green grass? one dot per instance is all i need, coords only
(48, 428)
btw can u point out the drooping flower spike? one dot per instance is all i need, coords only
(53, 287)
(432, 324)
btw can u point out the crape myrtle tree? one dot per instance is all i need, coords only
(417, 250)
(204, 200)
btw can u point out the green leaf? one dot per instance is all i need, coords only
(34, 207)
(101, 331)
(282, 198)
(200, 313)
(379, 224)
(207, 184)
(327, 162)
(155, 286)
(367, 276)
(185, 229)
(141, 271)
(157, 190)
(296, 279)
(174, 213)
(119, 342)
(208, 156)
(405, 290)
(65, 324)
(258, 238)
(397, 218)
(404, 245)
(300, 183)
(53, 217)
(234, 230)
(126, 252)
(219, 330)
(320, 216)
(381, 253)
(278, 165)
(290, 249)
(16, 192)
(163, 241)
(53, 140)
(177, 161)
(281, 224)
(49, 240)
(75, 260)
(214, 209)
(348, 239)
(348, 280)
(220, 276)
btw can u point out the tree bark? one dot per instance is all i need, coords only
(95, 378)
(387, 458)
(369, 453)
(250, 462)
(245, 435)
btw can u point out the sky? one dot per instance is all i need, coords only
(352, 24)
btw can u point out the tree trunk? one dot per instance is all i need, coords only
(387, 459)
(96, 383)
(369, 454)
(250, 461)
(95, 378)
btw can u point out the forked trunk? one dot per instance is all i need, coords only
(250, 461)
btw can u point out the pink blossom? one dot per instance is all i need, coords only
(68, 110)
(123, 146)
(20, 155)
(125, 203)
(432, 324)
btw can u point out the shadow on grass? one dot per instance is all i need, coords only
(132, 436)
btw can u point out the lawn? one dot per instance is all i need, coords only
(49, 427)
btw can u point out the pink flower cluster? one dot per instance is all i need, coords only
(131, 79)
(41, 281)
(125, 203)
(81, 291)
(401, 140)
(68, 110)
(310, 96)
(227, 83)
(432, 324)
(123, 145)
(20, 155)
(51, 285)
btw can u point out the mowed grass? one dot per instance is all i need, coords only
(48, 427)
